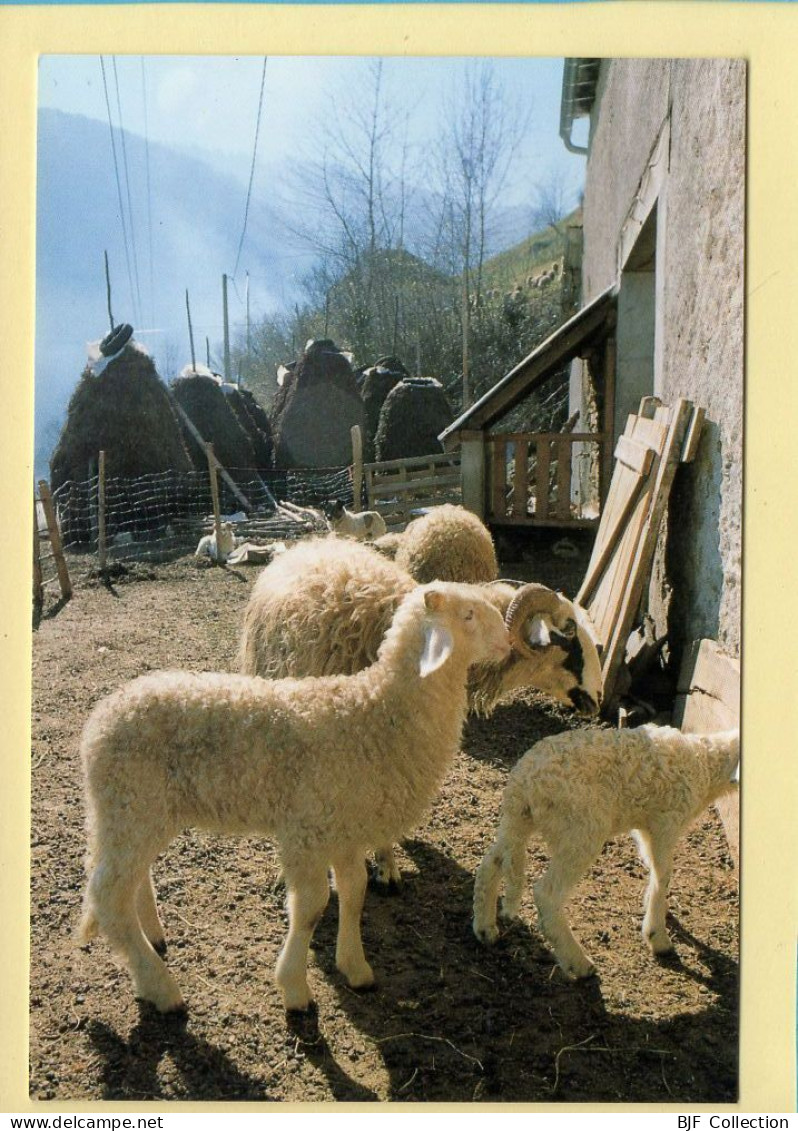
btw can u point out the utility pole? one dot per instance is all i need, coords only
(226, 330)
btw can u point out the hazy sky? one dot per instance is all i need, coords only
(210, 103)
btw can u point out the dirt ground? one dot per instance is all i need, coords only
(449, 1021)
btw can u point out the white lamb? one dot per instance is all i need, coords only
(328, 766)
(208, 546)
(577, 790)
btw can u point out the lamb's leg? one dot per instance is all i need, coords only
(567, 866)
(504, 860)
(350, 883)
(486, 894)
(388, 877)
(112, 895)
(148, 914)
(656, 850)
(308, 893)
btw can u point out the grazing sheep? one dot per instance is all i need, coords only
(448, 543)
(208, 547)
(577, 790)
(326, 766)
(325, 605)
(364, 526)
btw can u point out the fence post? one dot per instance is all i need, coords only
(356, 433)
(217, 517)
(101, 550)
(55, 539)
(38, 582)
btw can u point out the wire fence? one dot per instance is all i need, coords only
(160, 516)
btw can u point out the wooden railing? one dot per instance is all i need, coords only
(401, 488)
(531, 478)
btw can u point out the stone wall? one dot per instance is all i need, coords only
(699, 267)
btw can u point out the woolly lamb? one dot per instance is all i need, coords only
(326, 766)
(449, 543)
(325, 605)
(577, 790)
(365, 526)
(208, 548)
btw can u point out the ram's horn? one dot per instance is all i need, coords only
(532, 600)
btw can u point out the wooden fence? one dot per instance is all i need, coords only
(535, 478)
(400, 489)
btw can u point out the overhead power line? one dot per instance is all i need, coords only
(134, 255)
(149, 190)
(118, 183)
(252, 169)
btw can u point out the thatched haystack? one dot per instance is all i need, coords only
(377, 383)
(255, 423)
(415, 412)
(315, 410)
(206, 406)
(126, 412)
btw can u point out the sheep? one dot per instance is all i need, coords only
(448, 543)
(325, 605)
(327, 766)
(365, 526)
(208, 547)
(388, 545)
(577, 790)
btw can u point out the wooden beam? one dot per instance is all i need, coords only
(195, 432)
(55, 539)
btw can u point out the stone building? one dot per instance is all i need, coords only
(664, 226)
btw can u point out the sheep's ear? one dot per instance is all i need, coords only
(537, 633)
(434, 600)
(438, 646)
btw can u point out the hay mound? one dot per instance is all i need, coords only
(315, 410)
(415, 412)
(206, 406)
(255, 423)
(376, 385)
(125, 412)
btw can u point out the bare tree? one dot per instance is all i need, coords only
(479, 143)
(552, 201)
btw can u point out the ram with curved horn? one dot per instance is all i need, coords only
(323, 608)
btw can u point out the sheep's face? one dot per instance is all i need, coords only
(460, 617)
(560, 658)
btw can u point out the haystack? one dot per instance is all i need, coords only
(255, 423)
(377, 383)
(206, 406)
(315, 410)
(126, 412)
(415, 412)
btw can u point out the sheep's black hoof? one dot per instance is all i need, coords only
(391, 888)
(159, 947)
(303, 1023)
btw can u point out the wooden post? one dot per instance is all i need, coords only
(356, 433)
(472, 471)
(101, 550)
(608, 423)
(208, 352)
(226, 330)
(191, 336)
(108, 290)
(38, 583)
(217, 517)
(55, 539)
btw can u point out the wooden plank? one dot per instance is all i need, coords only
(542, 508)
(498, 482)
(55, 539)
(610, 543)
(429, 483)
(38, 582)
(356, 433)
(636, 456)
(564, 450)
(693, 437)
(638, 573)
(520, 477)
(608, 419)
